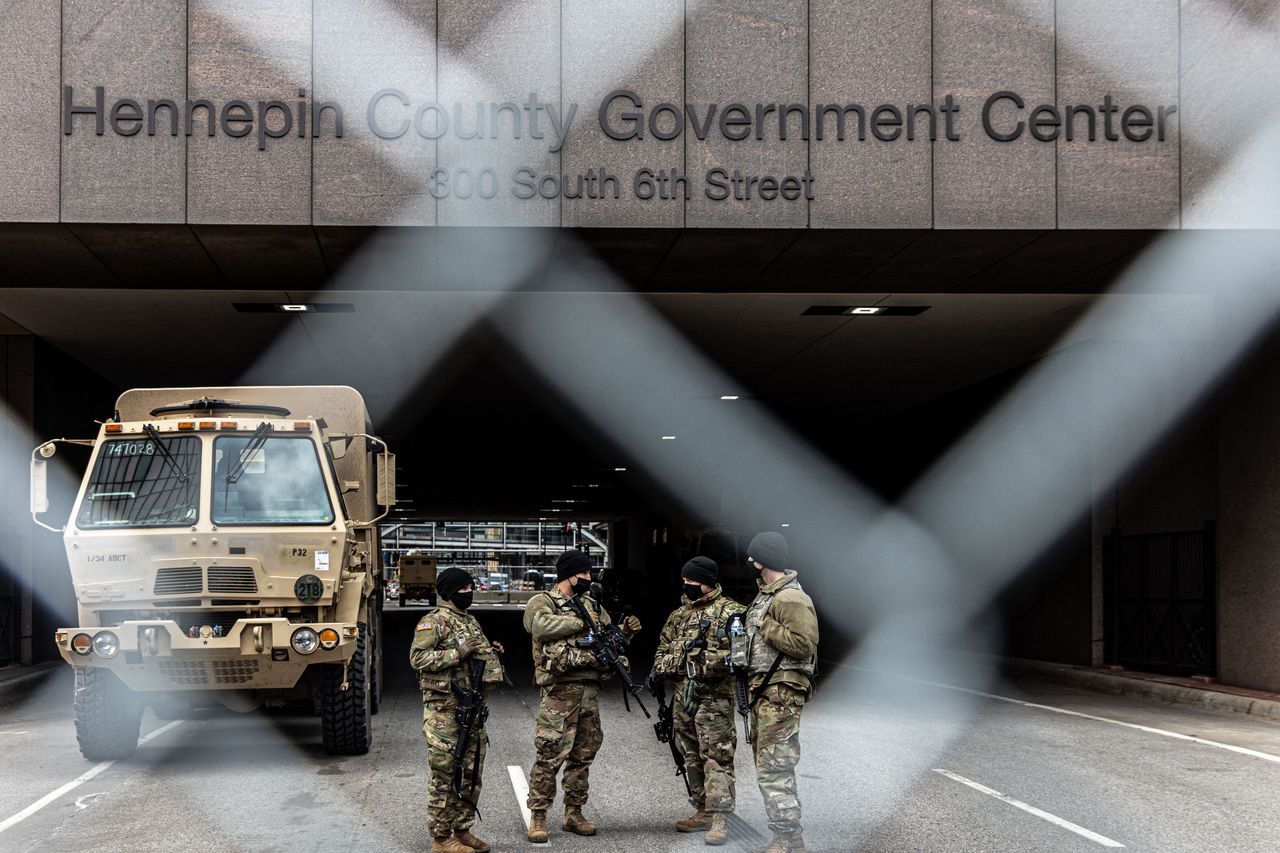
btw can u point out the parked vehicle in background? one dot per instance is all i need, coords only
(417, 578)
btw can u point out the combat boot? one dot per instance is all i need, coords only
(537, 833)
(719, 832)
(694, 823)
(448, 844)
(465, 836)
(577, 824)
(782, 844)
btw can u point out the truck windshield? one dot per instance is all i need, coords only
(140, 482)
(279, 482)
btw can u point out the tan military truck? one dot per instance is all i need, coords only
(417, 578)
(224, 549)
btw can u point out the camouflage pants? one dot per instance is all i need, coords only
(446, 811)
(568, 733)
(775, 724)
(707, 739)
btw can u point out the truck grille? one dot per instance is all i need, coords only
(234, 579)
(233, 671)
(183, 580)
(187, 673)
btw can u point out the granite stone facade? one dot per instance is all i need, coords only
(473, 100)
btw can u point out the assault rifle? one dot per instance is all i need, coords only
(665, 727)
(609, 645)
(471, 715)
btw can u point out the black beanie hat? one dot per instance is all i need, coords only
(451, 580)
(770, 550)
(700, 570)
(572, 563)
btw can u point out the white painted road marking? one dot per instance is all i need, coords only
(522, 793)
(1040, 813)
(76, 782)
(1253, 753)
(1241, 750)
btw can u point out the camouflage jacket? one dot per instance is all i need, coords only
(436, 655)
(554, 629)
(781, 621)
(683, 626)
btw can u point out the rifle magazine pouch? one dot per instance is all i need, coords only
(492, 670)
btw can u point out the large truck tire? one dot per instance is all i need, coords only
(375, 673)
(431, 599)
(403, 599)
(345, 715)
(108, 715)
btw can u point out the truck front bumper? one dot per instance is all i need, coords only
(155, 655)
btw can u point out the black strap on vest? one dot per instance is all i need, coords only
(777, 662)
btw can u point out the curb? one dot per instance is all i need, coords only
(13, 678)
(1144, 688)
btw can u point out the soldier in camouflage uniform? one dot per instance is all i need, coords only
(443, 641)
(568, 729)
(782, 628)
(691, 652)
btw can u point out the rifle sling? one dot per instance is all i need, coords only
(773, 668)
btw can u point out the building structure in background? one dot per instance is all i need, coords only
(193, 192)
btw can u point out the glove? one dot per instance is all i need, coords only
(630, 626)
(469, 647)
(497, 647)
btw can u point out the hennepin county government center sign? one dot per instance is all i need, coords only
(622, 115)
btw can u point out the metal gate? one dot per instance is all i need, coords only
(1159, 602)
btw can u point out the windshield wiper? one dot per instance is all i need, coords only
(164, 452)
(256, 441)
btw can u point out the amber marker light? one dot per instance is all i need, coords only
(208, 425)
(328, 639)
(113, 428)
(228, 424)
(301, 425)
(350, 631)
(82, 644)
(186, 425)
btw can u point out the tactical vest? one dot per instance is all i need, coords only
(701, 664)
(453, 628)
(559, 657)
(763, 654)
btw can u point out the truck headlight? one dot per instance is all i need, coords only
(328, 639)
(82, 644)
(106, 644)
(305, 641)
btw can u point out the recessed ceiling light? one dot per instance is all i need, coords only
(619, 470)
(668, 438)
(865, 310)
(786, 525)
(294, 307)
(728, 396)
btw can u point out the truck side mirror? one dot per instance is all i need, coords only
(387, 479)
(40, 483)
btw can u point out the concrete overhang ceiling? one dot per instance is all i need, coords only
(745, 315)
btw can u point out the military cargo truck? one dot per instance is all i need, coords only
(417, 578)
(224, 549)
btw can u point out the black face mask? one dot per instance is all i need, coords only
(462, 600)
(693, 591)
(581, 586)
